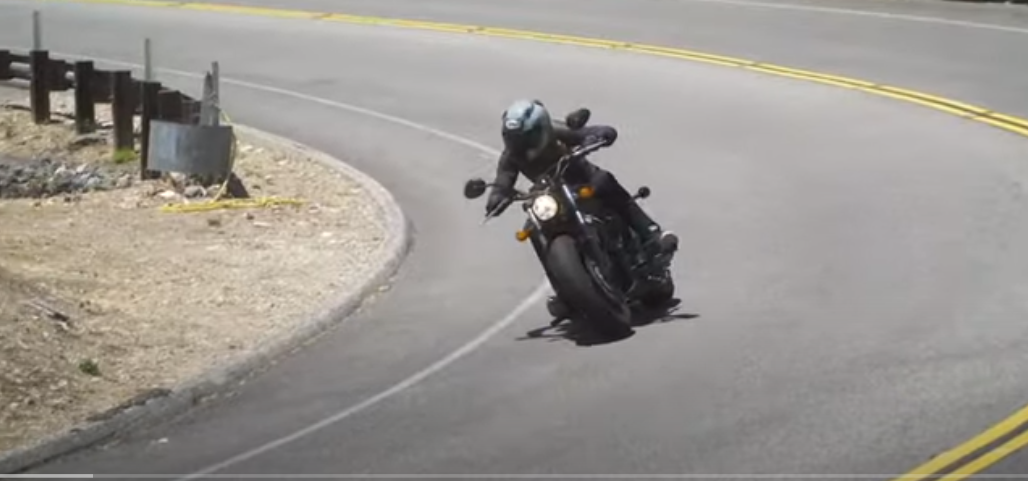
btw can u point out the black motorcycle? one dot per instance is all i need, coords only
(597, 265)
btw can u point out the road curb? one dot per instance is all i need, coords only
(190, 393)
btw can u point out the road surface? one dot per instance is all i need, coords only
(854, 261)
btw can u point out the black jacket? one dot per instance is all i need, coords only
(509, 165)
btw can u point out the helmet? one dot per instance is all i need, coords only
(527, 128)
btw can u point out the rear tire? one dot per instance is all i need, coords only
(576, 286)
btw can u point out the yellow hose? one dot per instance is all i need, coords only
(217, 202)
(229, 204)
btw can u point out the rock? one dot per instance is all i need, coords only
(167, 194)
(87, 140)
(177, 178)
(123, 182)
(43, 177)
(95, 183)
(33, 188)
(194, 191)
(62, 181)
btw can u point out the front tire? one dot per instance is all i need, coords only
(576, 286)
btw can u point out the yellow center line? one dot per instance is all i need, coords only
(990, 458)
(135, 3)
(689, 54)
(933, 98)
(917, 100)
(1013, 128)
(259, 11)
(812, 75)
(763, 68)
(1011, 119)
(1006, 122)
(686, 57)
(955, 454)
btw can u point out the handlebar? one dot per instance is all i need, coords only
(585, 150)
(517, 195)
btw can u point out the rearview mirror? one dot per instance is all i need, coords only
(578, 118)
(642, 193)
(474, 188)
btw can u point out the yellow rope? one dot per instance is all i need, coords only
(229, 204)
(217, 202)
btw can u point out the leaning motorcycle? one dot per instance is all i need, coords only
(598, 266)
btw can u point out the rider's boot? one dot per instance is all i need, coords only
(652, 236)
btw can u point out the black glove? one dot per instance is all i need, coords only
(495, 200)
(577, 119)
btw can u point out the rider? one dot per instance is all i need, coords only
(533, 144)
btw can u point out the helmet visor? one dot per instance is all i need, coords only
(521, 143)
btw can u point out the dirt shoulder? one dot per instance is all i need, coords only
(104, 297)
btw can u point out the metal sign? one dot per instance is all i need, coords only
(190, 149)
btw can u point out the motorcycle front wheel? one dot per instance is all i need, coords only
(583, 291)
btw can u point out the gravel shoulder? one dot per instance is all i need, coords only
(106, 298)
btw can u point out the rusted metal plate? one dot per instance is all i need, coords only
(190, 149)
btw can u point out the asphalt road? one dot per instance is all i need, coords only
(853, 260)
(975, 53)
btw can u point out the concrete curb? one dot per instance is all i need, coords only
(183, 397)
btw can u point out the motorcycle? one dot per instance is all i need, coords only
(598, 266)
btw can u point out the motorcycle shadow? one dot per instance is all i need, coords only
(584, 336)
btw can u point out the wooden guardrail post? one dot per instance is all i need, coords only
(85, 110)
(5, 65)
(169, 106)
(39, 85)
(150, 90)
(122, 110)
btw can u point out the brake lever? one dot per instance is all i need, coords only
(496, 212)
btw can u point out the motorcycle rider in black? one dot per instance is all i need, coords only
(533, 143)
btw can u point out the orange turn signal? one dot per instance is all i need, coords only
(586, 192)
(521, 235)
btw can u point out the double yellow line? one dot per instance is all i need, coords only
(959, 462)
(976, 454)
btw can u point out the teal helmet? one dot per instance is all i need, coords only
(527, 128)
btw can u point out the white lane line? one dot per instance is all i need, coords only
(867, 13)
(382, 396)
(417, 377)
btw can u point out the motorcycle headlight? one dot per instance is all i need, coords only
(545, 207)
